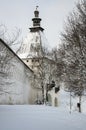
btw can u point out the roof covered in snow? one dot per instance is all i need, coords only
(33, 45)
(6, 45)
(35, 42)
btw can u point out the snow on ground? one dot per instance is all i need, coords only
(64, 98)
(31, 117)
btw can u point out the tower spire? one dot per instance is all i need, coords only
(36, 12)
(36, 22)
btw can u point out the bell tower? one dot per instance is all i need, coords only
(36, 22)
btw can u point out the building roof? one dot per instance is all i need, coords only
(15, 54)
(36, 22)
(35, 41)
(33, 45)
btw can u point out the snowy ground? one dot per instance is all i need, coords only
(26, 117)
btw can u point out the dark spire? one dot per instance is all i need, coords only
(36, 22)
(36, 12)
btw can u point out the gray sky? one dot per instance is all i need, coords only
(18, 13)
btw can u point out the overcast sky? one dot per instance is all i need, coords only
(18, 13)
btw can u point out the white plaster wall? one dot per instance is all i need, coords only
(15, 80)
(53, 96)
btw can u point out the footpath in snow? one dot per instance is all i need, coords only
(26, 117)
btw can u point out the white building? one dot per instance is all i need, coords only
(33, 54)
(15, 77)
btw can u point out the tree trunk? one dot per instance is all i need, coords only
(80, 103)
(42, 94)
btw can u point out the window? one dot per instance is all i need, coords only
(32, 60)
(37, 60)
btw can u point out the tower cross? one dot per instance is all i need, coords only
(37, 7)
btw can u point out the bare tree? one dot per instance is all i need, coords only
(5, 56)
(74, 40)
(44, 67)
(40, 67)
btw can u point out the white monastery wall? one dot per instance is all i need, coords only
(15, 78)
